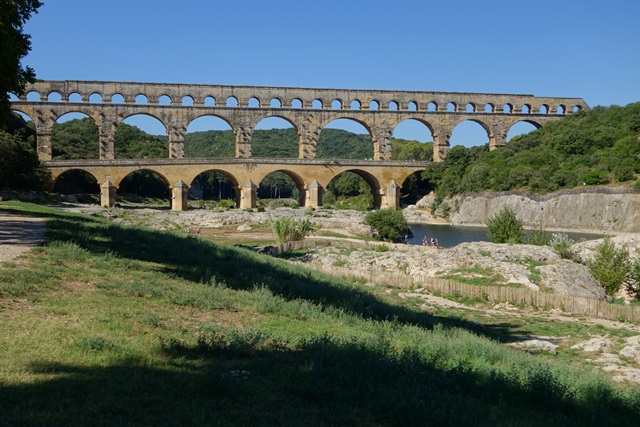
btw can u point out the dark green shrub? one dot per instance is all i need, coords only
(633, 281)
(609, 266)
(387, 224)
(505, 227)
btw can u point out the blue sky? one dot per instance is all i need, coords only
(588, 49)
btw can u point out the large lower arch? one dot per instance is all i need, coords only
(76, 182)
(298, 182)
(216, 185)
(370, 180)
(144, 183)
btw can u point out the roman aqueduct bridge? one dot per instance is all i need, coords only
(243, 107)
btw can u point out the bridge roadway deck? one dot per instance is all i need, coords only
(311, 176)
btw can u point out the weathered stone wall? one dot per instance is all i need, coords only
(600, 210)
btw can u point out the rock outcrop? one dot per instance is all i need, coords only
(595, 210)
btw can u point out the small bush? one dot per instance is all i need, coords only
(387, 224)
(633, 280)
(561, 243)
(505, 227)
(537, 237)
(287, 230)
(609, 266)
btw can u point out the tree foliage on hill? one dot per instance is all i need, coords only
(589, 147)
(14, 45)
(20, 168)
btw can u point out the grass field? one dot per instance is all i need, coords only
(112, 325)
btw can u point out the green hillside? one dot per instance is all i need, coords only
(596, 147)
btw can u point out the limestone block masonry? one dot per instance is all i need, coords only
(307, 109)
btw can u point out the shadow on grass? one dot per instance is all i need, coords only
(324, 383)
(201, 261)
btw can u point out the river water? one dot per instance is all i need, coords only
(449, 235)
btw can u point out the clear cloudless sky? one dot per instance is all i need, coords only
(572, 48)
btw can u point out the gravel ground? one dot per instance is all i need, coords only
(18, 234)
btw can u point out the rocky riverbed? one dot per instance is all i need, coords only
(533, 267)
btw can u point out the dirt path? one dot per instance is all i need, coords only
(18, 234)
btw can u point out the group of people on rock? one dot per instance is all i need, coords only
(433, 241)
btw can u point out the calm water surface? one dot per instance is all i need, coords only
(449, 235)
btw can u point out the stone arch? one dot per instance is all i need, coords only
(317, 104)
(205, 122)
(337, 104)
(95, 98)
(254, 102)
(489, 108)
(231, 102)
(209, 101)
(54, 96)
(454, 135)
(187, 101)
(516, 128)
(79, 181)
(393, 106)
(297, 180)
(198, 189)
(147, 180)
(118, 98)
(344, 125)
(297, 103)
(278, 117)
(142, 121)
(417, 119)
(75, 114)
(141, 99)
(371, 180)
(374, 105)
(543, 109)
(75, 97)
(355, 105)
(22, 113)
(413, 106)
(165, 99)
(275, 102)
(432, 106)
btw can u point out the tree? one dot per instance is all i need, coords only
(387, 224)
(633, 280)
(609, 266)
(14, 45)
(505, 227)
(20, 168)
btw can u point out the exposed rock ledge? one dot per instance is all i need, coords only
(604, 210)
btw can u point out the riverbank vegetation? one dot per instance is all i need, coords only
(192, 332)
